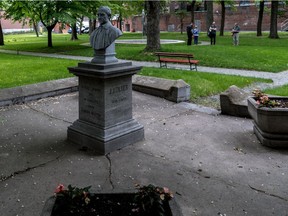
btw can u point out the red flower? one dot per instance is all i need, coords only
(59, 188)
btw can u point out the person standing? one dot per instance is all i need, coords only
(196, 35)
(235, 34)
(212, 33)
(189, 29)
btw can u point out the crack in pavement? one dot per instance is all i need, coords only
(110, 170)
(269, 194)
(4, 178)
(47, 114)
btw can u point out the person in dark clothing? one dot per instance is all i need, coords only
(212, 33)
(189, 33)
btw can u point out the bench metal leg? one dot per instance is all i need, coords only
(192, 68)
(163, 64)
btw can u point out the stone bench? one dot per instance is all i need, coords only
(173, 90)
(234, 102)
(22, 94)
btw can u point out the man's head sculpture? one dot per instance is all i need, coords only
(104, 14)
(106, 33)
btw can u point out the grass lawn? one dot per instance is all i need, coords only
(202, 84)
(254, 53)
(280, 91)
(17, 70)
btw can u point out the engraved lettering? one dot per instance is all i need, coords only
(118, 100)
(118, 89)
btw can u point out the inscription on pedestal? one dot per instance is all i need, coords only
(89, 102)
(118, 94)
(118, 89)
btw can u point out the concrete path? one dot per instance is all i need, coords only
(213, 163)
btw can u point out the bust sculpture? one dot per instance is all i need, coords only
(106, 33)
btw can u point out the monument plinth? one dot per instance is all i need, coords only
(105, 121)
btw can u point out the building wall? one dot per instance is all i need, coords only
(245, 16)
(9, 25)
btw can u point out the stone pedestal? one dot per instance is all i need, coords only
(105, 121)
(105, 56)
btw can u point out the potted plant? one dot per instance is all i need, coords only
(270, 115)
(147, 200)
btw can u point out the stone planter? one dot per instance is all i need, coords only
(270, 124)
(172, 206)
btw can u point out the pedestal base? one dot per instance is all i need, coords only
(271, 140)
(105, 121)
(105, 140)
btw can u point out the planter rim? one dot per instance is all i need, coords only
(253, 101)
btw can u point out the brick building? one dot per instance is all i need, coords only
(244, 13)
(10, 26)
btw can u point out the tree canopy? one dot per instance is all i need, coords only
(48, 12)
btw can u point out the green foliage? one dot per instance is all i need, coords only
(72, 201)
(151, 199)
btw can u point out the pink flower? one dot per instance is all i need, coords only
(166, 190)
(59, 188)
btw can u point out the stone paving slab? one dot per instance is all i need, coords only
(213, 163)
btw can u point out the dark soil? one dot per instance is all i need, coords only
(109, 205)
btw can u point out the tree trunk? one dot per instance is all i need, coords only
(192, 11)
(35, 28)
(81, 25)
(222, 18)
(49, 31)
(273, 22)
(92, 25)
(181, 24)
(1, 35)
(153, 30)
(209, 17)
(260, 18)
(74, 32)
(120, 21)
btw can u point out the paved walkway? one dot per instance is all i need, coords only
(213, 163)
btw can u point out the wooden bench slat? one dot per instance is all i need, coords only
(179, 60)
(185, 58)
(184, 55)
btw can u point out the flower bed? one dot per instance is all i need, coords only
(149, 200)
